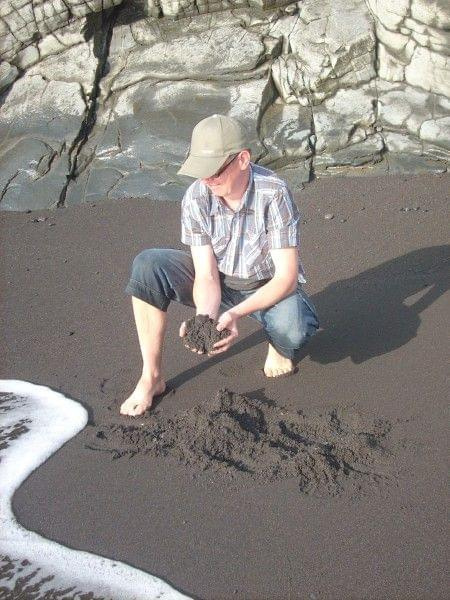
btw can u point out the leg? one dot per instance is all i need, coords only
(158, 276)
(151, 326)
(288, 325)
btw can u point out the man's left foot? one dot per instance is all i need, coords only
(276, 364)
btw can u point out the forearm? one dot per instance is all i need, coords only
(267, 295)
(207, 295)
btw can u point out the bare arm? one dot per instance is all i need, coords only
(283, 283)
(206, 291)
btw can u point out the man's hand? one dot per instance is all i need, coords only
(182, 333)
(227, 320)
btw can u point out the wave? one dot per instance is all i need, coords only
(35, 422)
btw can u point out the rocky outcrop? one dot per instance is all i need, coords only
(102, 106)
(24, 24)
(414, 42)
(330, 46)
(183, 8)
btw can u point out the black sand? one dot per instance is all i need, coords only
(341, 450)
(379, 280)
(202, 334)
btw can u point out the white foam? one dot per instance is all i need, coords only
(52, 419)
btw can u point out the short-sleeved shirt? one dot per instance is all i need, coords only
(267, 218)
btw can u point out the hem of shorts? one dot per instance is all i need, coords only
(146, 294)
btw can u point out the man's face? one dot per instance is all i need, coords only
(229, 176)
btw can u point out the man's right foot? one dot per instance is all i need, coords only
(142, 397)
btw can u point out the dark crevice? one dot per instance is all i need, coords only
(7, 184)
(312, 144)
(99, 26)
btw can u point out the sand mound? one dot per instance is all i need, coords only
(240, 436)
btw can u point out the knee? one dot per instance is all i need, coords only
(146, 264)
(294, 334)
(294, 337)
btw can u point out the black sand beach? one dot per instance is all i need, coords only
(377, 272)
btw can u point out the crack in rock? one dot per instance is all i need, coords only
(102, 41)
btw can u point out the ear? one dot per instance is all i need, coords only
(244, 159)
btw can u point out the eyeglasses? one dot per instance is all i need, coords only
(223, 167)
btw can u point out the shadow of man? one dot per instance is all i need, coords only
(378, 310)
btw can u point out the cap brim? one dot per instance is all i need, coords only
(201, 167)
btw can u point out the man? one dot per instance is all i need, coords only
(241, 224)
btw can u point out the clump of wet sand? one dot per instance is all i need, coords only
(243, 437)
(202, 334)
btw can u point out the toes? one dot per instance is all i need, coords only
(273, 373)
(131, 410)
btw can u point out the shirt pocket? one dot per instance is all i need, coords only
(253, 245)
(219, 242)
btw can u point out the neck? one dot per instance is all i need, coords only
(239, 188)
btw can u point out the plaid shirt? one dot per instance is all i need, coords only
(267, 218)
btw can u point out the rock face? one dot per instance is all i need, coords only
(24, 24)
(98, 99)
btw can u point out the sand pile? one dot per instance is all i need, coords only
(240, 436)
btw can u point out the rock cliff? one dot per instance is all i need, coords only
(99, 97)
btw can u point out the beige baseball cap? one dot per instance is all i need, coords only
(213, 140)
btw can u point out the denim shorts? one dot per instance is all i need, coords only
(160, 275)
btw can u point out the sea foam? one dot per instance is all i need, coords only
(35, 423)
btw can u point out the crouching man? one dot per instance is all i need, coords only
(242, 227)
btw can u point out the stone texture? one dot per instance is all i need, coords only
(25, 22)
(38, 107)
(143, 134)
(226, 53)
(336, 86)
(40, 118)
(285, 131)
(397, 163)
(75, 64)
(177, 8)
(32, 175)
(286, 136)
(331, 46)
(345, 130)
(367, 152)
(8, 74)
(420, 118)
(413, 42)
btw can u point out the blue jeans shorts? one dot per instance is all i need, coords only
(160, 275)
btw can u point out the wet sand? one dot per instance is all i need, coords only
(377, 273)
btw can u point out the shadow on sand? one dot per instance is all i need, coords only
(379, 310)
(367, 315)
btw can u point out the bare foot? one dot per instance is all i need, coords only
(276, 364)
(142, 397)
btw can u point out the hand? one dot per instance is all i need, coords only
(182, 333)
(227, 320)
